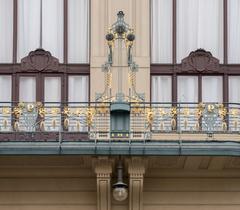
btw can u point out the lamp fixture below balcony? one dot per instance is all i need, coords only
(120, 191)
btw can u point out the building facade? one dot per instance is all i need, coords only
(137, 92)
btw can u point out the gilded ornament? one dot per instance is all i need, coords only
(5, 123)
(6, 110)
(66, 123)
(21, 105)
(234, 112)
(89, 116)
(186, 112)
(210, 107)
(173, 123)
(162, 112)
(66, 111)
(16, 126)
(224, 126)
(173, 111)
(102, 109)
(54, 123)
(150, 117)
(78, 125)
(55, 111)
(17, 111)
(78, 112)
(185, 122)
(197, 126)
(42, 112)
(136, 109)
(30, 107)
(222, 111)
(42, 126)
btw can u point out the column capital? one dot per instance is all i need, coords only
(136, 167)
(103, 167)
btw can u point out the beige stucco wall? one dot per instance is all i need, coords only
(69, 183)
(49, 183)
(192, 183)
(187, 193)
(103, 15)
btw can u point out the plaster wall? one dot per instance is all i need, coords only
(69, 183)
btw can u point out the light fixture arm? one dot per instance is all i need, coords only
(120, 192)
(120, 172)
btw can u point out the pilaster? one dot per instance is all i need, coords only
(136, 171)
(103, 169)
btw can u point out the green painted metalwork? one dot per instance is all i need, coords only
(174, 148)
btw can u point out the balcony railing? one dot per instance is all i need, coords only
(93, 121)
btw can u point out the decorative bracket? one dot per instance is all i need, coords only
(199, 61)
(39, 61)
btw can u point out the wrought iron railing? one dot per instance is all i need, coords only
(92, 121)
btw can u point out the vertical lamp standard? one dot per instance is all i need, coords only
(120, 192)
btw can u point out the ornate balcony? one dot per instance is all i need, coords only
(105, 121)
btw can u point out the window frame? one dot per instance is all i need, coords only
(225, 69)
(174, 33)
(65, 33)
(40, 78)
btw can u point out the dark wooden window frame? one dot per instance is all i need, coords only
(204, 64)
(174, 69)
(63, 69)
(36, 65)
(65, 31)
(41, 64)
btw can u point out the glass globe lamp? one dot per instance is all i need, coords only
(120, 192)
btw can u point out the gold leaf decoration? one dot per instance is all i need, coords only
(42, 112)
(173, 111)
(186, 112)
(197, 126)
(5, 123)
(89, 116)
(224, 126)
(30, 107)
(66, 123)
(6, 110)
(17, 111)
(173, 123)
(210, 107)
(162, 112)
(42, 126)
(55, 111)
(78, 125)
(54, 123)
(222, 111)
(66, 111)
(185, 122)
(150, 117)
(16, 126)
